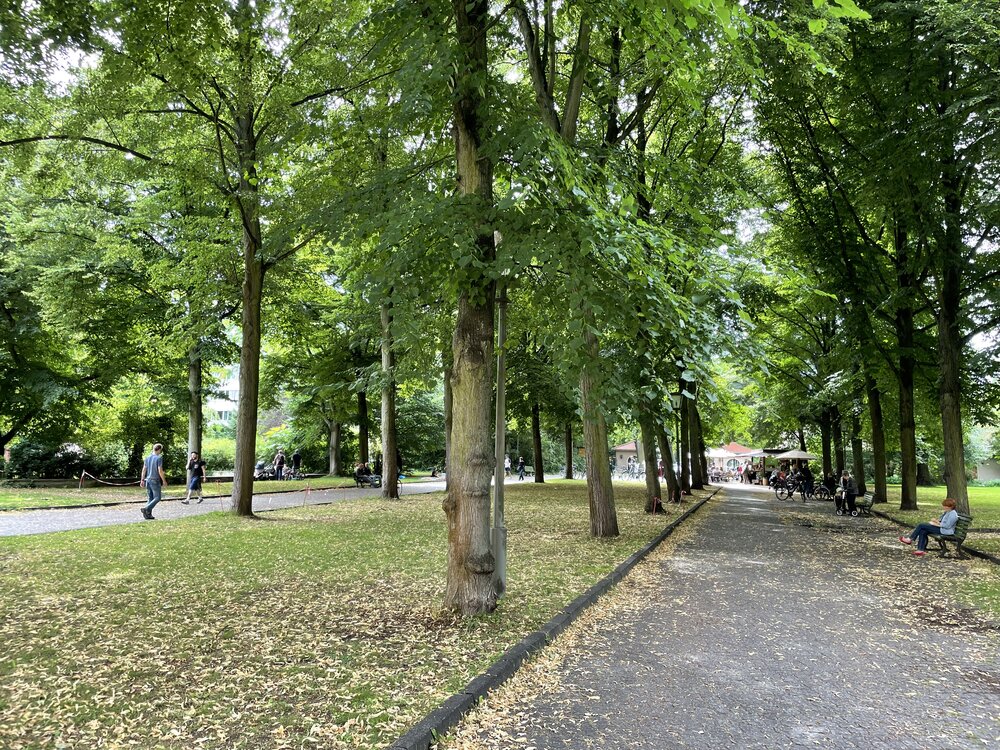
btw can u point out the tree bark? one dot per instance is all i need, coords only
(924, 476)
(333, 447)
(802, 437)
(702, 448)
(838, 440)
(878, 438)
(649, 458)
(569, 450)
(697, 479)
(673, 490)
(470, 588)
(685, 467)
(907, 422)
(363, 427)
(447, 425)
(825, 431)
(194, 402)
(390, 469)
(536, 442)
(250, 323)
(603, 515)
(858, 454)
(950, 343)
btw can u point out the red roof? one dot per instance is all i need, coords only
(626, 447)
(737, 448)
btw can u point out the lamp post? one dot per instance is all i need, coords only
(675, 403)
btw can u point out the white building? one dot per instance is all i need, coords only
(222, 408)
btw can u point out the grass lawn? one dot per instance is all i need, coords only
(984, 503)
(312, 627)
(16, 498)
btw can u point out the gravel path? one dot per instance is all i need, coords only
(764, 625)
(17, 523)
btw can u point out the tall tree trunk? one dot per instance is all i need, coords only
(802, 437)
(390, 469)
(950, 344)
(603, 515)
(673, 490)
(569, 450)
(363, 427)
(697, 479)
(838, 440)
(825, 431)
(685, 441)
(702, 448)
(250, 323)
(536, 442)
(471, 588)
(649, 458)
(447, 423)
(333, 446)
(194, 402)
(858, 454)
(907, 422)
(878, 437)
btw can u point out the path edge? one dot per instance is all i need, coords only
(445, 717)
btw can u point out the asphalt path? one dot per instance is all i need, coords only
(770, 625)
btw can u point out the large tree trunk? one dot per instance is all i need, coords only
(878, 438)
(363, 427)
(333, 446)
(536, 442)
(390, 469)
(471, 588)
(569, 450)
(603, 515)
(250, 323)
(858, 454)
(673, 490)
(702, 448)
(838, 440)
(194, 402)
(697, 478)
(950, 345)
(649, 458)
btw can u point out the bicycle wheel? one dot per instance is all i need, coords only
(821, 493)
(781, 493)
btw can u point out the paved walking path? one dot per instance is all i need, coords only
(769, 626)
(16, 523)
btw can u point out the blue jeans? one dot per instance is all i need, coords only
(279, 472)
(154, 490)
(920, 533)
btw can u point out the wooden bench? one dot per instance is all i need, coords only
(958, 538)
(864, 503)
(367, 480)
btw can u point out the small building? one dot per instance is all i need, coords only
(622, 454)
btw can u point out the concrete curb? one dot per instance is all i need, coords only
(446, 716)
(971, 550)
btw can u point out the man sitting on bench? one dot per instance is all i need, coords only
(363, 476)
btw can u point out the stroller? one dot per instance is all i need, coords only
(264, 470)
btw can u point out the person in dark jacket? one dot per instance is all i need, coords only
(850, 492)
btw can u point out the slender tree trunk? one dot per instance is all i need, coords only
(447, 425)
(363, 427)
(858, 454)
(333, 446)
(907, 422)
(685, 467)
(697, 479)
(838, 440)
(668, 465)
(603, 515)
(649, 458)
(802, 437)
(950, 345)
(194, 402)
(470, 587)
(250, 323)
(878, 438)
(390, 469)
(536, 442)
(825, 431)
(702, 448)
(569, 450)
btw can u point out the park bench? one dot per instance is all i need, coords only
(864, 503)
(958, 538)
(367, 480)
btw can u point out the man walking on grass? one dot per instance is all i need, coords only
(153, 480)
